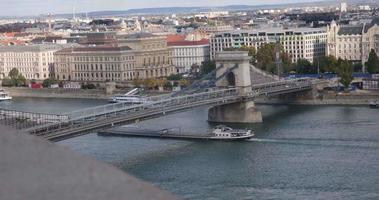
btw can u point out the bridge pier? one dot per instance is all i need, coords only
(241, 112)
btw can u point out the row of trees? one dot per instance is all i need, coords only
(153, 83)
(15, 78)
(373, 62)
(265, 58)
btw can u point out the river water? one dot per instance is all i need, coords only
(300, 152)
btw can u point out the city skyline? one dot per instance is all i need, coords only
(37, 7)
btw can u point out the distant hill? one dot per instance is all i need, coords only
(188, 10)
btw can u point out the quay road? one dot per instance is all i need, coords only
(87, 120)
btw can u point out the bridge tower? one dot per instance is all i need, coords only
(233, 70)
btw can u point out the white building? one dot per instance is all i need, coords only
(33, 62)
(343, 7)
(353, 43)
(299, 43)
(185, 54)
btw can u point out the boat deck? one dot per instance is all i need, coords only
(163, 133)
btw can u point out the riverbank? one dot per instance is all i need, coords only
(57, 93)
(323, 98)
(62, 93)
(328, 98)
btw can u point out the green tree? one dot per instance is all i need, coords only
(266, 58)
(150, 83)
(168, 85)
(17, 79)
(252, 53)
(345, 72)
(303, 66)
(7, 82)
(372, 63)
(14, 73)
(207, 67)
(49, 81)
(327, 64)
(174, 77)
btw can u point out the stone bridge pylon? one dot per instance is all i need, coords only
(233, 70)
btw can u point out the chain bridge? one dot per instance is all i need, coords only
(234, 81)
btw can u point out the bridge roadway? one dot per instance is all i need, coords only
(87, 120)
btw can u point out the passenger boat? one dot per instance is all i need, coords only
(130, 98)
(374, 104)
(4, 96)
(226, 133)
(220, 133)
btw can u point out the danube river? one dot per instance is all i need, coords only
(300, 152)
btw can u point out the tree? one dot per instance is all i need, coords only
(168, 85)
(17, 79)
(266, 58)
(7, 82)
(327, 64)
(303, 66)
(252, 53)
(183, 82)
(137, 82)
(345, 72)
(372, 63)
(207, 66)
(14, 73)
(150, 83)
(174, 77)
(48, 82)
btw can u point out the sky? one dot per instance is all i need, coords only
(36, 7)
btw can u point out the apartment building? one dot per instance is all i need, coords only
(33, 62)
(186, 53)
(299, 43)
(135, 56)
(353, 43)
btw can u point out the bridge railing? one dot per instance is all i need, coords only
(103, 112)
(21, 119)
(117, 107)
(168, 103)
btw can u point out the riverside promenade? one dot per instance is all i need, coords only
(34, 169)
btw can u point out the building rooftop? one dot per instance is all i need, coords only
(276, 30)
(350, 30)
(32, 48)
(94, 49)
(140, 35)
(374, 22)
(188, 43)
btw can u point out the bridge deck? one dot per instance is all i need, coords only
(86, 120)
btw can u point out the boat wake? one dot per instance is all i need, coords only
(321, 142)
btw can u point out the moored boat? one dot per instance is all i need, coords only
(226, 133)
(130, 98)
(374, 104)
(4, 96)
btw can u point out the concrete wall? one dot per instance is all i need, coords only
(57, 93)
(322, 99)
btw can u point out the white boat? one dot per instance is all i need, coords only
(4, 96)
(131, 98)
(374, 104)
(227, 133)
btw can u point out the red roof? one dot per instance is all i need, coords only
(188, 43)
(175, 38)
